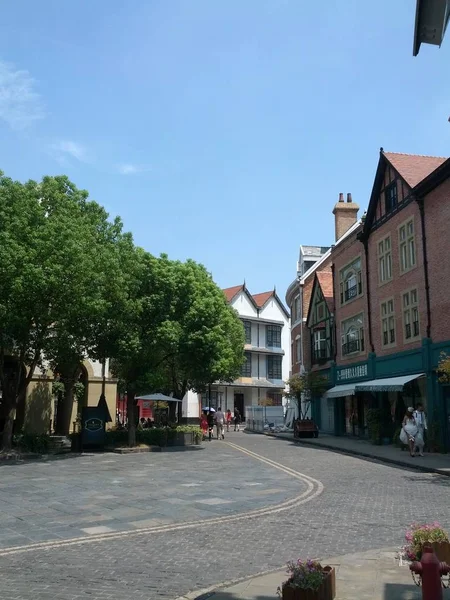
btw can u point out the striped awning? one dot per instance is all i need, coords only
(389, 384)
(340, 391)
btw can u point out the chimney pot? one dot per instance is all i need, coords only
(341, 197)
(349, 198)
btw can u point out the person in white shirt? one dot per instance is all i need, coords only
(220, 419)
(421, 422)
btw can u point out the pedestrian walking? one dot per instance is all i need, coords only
(220, 419)
(421, 422)
(237, 419)
(210, 419)
(204, 425)
(228, 418)
(409, 430)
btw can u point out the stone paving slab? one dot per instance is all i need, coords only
(373, 575)
(364, 505)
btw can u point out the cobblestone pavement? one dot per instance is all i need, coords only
(131, 510)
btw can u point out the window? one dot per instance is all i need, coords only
(388, 323)
(247, 365)
(274, 367)
(385, 259)
(407, 246)
(411, 315)
(390, 197)
(298, 349)
(320, 346)
(307, 265)
(273, 336)
(248, 332)
(352, 335)
(276, 397)
(351, 281)
(296, 309)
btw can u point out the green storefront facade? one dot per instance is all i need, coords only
(399, 380)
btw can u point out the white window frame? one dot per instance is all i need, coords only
(351, 273)
(385, 259)
(407, 246)
(388, 329)
(411, 315)
(352, 331)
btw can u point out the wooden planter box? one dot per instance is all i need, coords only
(442, 551)
(327, 590)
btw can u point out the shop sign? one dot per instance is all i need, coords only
(356, 372)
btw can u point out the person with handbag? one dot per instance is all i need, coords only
(421, 422)
(409, 430)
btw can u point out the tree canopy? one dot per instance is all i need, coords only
(73, 285)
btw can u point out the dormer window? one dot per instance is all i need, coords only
(390, 197)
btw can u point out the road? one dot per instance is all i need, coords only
(160, 525)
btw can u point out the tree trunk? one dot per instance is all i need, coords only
(65, 408)
(131, 418)
(8, 429)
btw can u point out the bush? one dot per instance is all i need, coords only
(156, 436)
(29, 442)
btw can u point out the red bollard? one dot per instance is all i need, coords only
(430, 570)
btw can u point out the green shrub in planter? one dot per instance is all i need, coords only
(31, 442)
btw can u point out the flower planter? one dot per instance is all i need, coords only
(327, 591)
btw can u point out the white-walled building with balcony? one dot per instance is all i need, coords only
(267, 350)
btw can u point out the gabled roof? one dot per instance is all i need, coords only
(325, 279)
(413, 168)
(261, 299)
(231, 292)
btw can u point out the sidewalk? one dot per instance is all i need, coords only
(430, 463)
(373, 575)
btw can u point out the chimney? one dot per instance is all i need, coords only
(345, 215)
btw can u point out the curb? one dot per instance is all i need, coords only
(382, 459)
(205, 593)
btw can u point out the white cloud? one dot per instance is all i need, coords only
(67, 148)
(130, 169)
(20, 104)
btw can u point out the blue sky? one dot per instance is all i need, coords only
(219, 130)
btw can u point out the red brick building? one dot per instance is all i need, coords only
(391, 310)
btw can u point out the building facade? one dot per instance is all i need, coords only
(391, 303)
(267, 356)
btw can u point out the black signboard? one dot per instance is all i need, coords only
(93, 426)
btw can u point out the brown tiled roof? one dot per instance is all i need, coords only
(325, 279)
(261, 299)
(413, 167)
(231, 292)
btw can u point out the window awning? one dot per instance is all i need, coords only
(390, 384)
(340, 391)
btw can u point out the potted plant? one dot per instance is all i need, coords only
(308, 580)
(419, 535)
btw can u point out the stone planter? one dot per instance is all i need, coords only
(327, 591)
(182, 438)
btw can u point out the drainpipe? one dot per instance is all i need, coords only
(334, 326)
(365, 241)
(300, 291)
(421, 204)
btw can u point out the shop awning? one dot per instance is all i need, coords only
(390, 384)
(340, 391)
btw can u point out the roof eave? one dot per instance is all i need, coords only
(434, 179)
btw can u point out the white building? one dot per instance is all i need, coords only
(268, 355)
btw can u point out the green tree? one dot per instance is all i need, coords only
(304, 389)
(52, 244)
(182, 333)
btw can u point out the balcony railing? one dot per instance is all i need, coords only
(351, 293)
(352, 346)
(321, 355)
